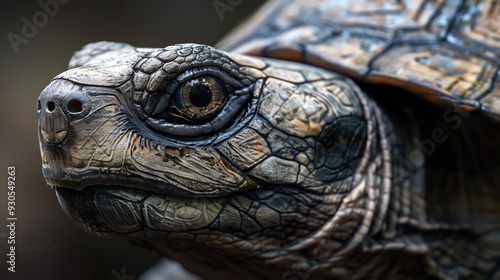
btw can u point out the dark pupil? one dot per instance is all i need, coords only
(200, 95)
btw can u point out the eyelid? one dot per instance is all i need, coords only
(228, 112)
(229, 82)
(202, 71)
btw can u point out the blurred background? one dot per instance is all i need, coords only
(48, 244)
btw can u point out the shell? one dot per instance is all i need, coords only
(447, 51)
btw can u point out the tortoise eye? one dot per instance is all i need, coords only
(198, 100)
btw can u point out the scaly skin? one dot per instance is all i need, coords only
(294, 178)
(290, 171)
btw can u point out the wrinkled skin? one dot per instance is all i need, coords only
(251, 183)
(290, 179)
(253, 168)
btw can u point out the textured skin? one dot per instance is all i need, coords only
(301, 174)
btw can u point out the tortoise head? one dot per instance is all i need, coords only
(191, 149)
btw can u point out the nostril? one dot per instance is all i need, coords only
(51, 106)
(75, 106)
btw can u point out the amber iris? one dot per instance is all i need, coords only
(197, 100)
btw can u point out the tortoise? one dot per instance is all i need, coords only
(319, 140)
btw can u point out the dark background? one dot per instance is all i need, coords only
(48, 244)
